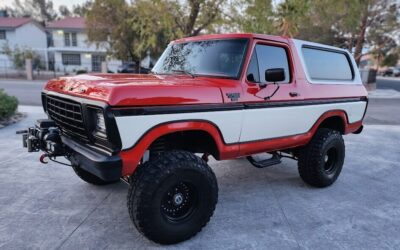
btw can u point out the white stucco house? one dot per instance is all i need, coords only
(24, 33)
(70, 49)
(63, 45)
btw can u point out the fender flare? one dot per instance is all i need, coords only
(132, 156)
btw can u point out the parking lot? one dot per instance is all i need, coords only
(48, 207)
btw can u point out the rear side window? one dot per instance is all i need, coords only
(327, 65)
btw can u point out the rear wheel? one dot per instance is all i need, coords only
(88, 177)
(321, 161)
(172, 197)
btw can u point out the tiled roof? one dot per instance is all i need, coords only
(68, 23)
(13, 22)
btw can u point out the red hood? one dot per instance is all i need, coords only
(138, 90)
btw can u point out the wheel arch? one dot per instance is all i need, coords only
(194, 140)
(202, 130)
(334, 119)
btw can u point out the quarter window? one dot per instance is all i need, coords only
(252, 72)
(267, 57)
(71, 59)
(327, 65)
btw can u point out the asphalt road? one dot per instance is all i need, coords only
(48, 207)
(27, 92)
(388, 83)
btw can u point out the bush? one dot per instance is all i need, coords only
(8, 105)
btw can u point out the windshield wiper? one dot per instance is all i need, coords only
(184, 72)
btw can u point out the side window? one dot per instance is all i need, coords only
(327, 65)
(271, 57)
(252, 71)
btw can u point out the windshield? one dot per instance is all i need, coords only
(221, 58)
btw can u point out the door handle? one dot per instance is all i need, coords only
(293, 94)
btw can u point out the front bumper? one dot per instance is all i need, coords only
(107, 168)
(46, 137)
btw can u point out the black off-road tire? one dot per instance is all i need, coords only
(90, 178)
(321, 160)
(172, 197)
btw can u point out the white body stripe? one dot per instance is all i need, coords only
(131, 128)
(277, 122)
(243, 125)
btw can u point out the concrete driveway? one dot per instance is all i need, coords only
(48, 207)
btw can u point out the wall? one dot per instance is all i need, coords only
(82, 40)
(29, 36)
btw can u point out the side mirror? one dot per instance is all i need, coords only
(275, 75)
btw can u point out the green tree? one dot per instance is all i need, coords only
(391, 59)
(329, 22)
(351, 24)
(64, 11)
(77, 10)
(40, 10)
(111, 32)
(290, 15)
(81, 9)
(130, 30)
(18, 56)
(253, 16)
(191, 17)
(380, 33)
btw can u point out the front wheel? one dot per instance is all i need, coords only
(172, 197)
(321, 161)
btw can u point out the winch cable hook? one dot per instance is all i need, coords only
(42, 157)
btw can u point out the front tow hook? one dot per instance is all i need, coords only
(42, 157)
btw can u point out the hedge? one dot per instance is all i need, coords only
(8, 105)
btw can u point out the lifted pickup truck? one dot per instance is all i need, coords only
(226, 96)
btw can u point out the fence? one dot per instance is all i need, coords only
(8, 70)
(42, 70)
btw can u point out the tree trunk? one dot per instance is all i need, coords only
(351, 43)
(194, 12)
(361, 36)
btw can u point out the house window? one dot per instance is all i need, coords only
(2, 34)
(70, 39)
(74, 40)
(71, 59)
(67, 40)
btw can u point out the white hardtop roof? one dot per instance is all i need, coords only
(302, 42)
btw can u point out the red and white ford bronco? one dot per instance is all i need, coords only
(229, 96)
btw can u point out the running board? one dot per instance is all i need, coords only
(275, 159)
